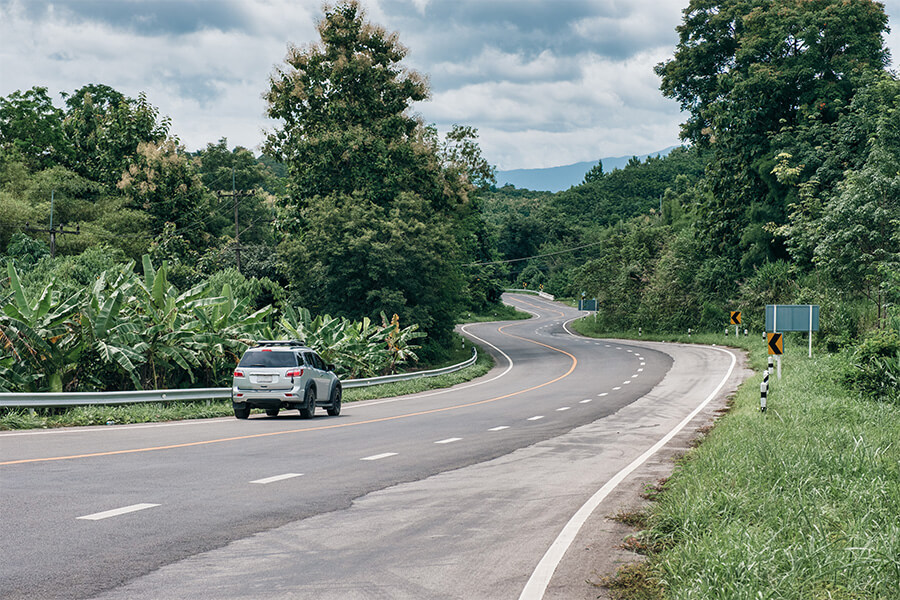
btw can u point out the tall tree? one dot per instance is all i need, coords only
(355, 154)
(746, 69)
(31, 129)
(105, 127)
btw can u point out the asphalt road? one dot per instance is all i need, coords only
(460, 493)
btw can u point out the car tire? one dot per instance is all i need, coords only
(309, 403)
(335, 408)
(272, 412)
(242, 413)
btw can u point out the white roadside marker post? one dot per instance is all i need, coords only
(763, 391)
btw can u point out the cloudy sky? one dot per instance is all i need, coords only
(546, 82)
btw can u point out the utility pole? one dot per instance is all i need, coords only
(235, 194)
(53, 231)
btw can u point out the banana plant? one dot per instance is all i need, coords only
(225, 329)
(399, 341)
(169, 339)
(112, 338)
(39, 335)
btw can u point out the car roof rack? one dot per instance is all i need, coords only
(278, 343)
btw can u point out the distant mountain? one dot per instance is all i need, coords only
(555, 179)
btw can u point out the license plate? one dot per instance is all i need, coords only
(265, 378)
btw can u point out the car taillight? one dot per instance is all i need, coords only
(294, 373)
(238, 373)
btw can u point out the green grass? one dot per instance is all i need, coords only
(23, 418)
(802, 501)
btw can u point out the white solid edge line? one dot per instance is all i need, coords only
(543, 573)
(379, 456)
(275, 478)
(116, 512)
(349, 406)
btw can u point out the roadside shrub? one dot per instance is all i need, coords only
(875, 370)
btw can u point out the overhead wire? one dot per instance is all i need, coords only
(512, 260)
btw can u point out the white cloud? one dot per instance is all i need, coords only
(545, 83)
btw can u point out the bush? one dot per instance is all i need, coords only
(875, 370)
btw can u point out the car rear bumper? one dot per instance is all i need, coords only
(241, 398)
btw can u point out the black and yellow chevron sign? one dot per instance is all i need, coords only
(735, 317)
(776, 343)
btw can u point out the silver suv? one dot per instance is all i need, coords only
(284, 374)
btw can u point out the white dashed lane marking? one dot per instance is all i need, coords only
(603, 394)
(563, 408)
(448, 441)
(626, 382)
(537, 418)
(617, 388)
(275, 478)
(500, 428)
(117, 511)
(379, 456)
(585, 401)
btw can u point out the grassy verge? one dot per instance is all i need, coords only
(802, 501)
(19, 418)
(501, 312)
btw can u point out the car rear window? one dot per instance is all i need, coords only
(260, 358)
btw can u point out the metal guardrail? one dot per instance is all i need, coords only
(540, 293)
(54, 399)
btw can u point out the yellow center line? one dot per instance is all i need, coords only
(323, 427)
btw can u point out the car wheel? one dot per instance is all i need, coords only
(335, 408)
(309, 404)
(272, 412)
(242, 413)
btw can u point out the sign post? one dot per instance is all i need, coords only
(791, 317)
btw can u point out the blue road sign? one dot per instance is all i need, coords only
(792, 317)
(587, 304)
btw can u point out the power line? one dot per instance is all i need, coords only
(235, 194)
(512, 260)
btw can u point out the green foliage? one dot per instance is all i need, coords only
(32, 128)
(378, 204)
(105, 129)
(161, 181)
(26, 251)
(875, 371)
(117, 329)
(746, 70)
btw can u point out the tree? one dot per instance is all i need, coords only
(31, 128)
(595, 173)
(221, 170)
(859, 242)
(375, 204)
(105, 128)
(748, 69)
(162, 181)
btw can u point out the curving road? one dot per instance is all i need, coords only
(478, 491)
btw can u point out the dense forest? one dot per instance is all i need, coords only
(131, 262)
